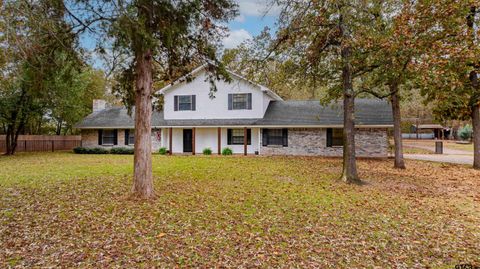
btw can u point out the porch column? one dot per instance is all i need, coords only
(219, 131)
(193, 141)
(170, 138)
(245, 141)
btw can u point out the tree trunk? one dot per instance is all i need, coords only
(349, 174)
(8, 144)
(142, 178)
(476, 136)
(12, 137)
(397, 128)
(59, 127)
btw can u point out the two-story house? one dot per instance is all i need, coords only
(244, 116)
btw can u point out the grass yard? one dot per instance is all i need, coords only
(411, 150)
(66, 210)
(465, 147)
(412, 146)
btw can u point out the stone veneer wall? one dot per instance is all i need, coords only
(90, 139)
(312, 142)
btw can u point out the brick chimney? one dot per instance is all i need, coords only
(99, 105)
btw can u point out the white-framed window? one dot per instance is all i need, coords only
(184, 102)
(239, 101)
(236, 136)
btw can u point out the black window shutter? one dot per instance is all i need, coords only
(100, 134)
(115, 137)
(229, 136)
(285, 137)
(230, 101)
(127, 136)
(194, 102)
(249, 101)
(265, 137)
(175, 103)
(329, 137)
(249, 136)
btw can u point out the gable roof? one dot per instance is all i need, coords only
(201, 68)
(368, 113)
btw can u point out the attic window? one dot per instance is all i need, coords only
(184, 102)
(239, 101)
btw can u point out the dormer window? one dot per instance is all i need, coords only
(184, 102)
(238, 101)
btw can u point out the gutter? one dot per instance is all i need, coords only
(239, 126)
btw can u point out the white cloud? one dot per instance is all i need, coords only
(235, 38)
(240, 18)
(257, 8)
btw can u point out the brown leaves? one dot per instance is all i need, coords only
(72, 211)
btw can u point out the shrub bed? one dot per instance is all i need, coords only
(122, 151)
(82, 150)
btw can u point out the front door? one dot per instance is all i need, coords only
(187, 140)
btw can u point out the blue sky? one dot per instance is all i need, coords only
(254, 16)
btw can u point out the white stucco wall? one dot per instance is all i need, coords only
(207, 138)
(216, 108)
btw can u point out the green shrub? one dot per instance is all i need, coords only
(227, 151)
(207, 151)
(79, 150)
(123, 151)
(465, 133)
(82, 150)
(98, 151)
(163, 151)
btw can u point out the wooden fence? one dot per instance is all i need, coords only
(31, 143)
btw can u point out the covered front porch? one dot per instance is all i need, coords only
(193, 139)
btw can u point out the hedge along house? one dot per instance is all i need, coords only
(243, 116)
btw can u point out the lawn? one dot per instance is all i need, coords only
(412, 146)
(465, 147)
(412, 150)
(66, 210)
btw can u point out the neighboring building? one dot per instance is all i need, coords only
(244, 116)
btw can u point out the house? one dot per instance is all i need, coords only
(244, 116)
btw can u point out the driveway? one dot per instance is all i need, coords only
(442, 158)
(449, 155)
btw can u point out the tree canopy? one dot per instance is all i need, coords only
(43, 68)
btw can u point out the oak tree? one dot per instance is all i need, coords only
(452, 80)
(332, 39)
